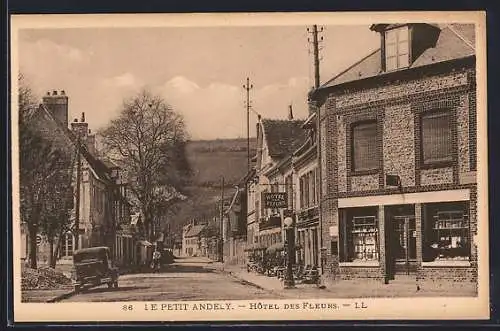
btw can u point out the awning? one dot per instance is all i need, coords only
(254, 247)
(275, 247)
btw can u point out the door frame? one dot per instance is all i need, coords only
(391, 213)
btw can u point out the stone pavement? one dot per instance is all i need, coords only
(401, 287)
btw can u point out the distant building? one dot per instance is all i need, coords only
(192, 236)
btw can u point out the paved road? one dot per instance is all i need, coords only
(186, 279)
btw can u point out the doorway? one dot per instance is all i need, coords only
(401, 241)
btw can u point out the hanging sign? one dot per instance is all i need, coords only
(275, 200)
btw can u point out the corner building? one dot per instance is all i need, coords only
(398, 151)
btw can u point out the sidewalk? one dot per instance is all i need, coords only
(403, 287)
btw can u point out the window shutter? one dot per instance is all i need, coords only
(365, 154)
(436, 137)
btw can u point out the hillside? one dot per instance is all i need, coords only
(209, 161)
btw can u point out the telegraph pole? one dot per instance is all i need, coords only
(221, 249)
(319, 183)
(248, 87)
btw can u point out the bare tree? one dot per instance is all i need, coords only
(147, 141)
(45, 173)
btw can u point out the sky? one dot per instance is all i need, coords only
(200, 71)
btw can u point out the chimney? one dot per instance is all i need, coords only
(91, 143)
(81, 129)
(57, 104)
(290, 112)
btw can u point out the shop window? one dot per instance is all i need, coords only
(446, 233)
(364, 146)
(397, 55)
(436, 140)
(359, 235)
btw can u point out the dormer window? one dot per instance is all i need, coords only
(397, 54)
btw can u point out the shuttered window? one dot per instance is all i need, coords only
(397, 48)
(364, 146)
(436, 138)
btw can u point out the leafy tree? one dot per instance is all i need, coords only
(44, 177)
(148, 141)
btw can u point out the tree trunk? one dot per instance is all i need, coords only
(32, 232)
(56, 252)
(52, 261)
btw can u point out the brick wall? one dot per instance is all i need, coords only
(397, 107)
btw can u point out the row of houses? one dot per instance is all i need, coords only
(106, 215)
(388, 186)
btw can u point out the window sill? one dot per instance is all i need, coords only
(436, 164)
(360, 264)
(444, 263)
(364, 172)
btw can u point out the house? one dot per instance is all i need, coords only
(236, 228)
(399, 155)
(101, 202)
(276, 142)
(192, 239)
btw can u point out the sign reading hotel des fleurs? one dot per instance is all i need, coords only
(275, 200)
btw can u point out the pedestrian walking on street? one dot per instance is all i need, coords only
(156, 260)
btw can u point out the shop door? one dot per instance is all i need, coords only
(404, 245)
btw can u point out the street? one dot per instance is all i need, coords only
(186, 279)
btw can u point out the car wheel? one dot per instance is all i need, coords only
(115, 284)
(110, 285)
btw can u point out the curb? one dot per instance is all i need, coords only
(61, 297)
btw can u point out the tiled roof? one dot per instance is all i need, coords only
(195, 230)
(283, 136)
(455, 41)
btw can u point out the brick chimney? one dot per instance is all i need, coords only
(57, 104)
(91, 142)
(81, 128)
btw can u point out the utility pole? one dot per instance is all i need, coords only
(248, 87)
(78, 180)
(221, 249)
(319, 182)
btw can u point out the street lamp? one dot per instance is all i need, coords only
(290, 239)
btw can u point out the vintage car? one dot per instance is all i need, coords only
(93, 267)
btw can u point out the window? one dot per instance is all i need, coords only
(397, 53)
(308, 192)
(359, 235)
(445, 232)
(67, 245)
(436, 137)
(364, 146)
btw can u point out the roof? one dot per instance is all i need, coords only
(134, 219)
(283, 136)
(195, 230)
(455, 41)
(234, 200)
(98, 167)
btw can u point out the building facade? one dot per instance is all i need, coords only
(101, 202)
(398, 129)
